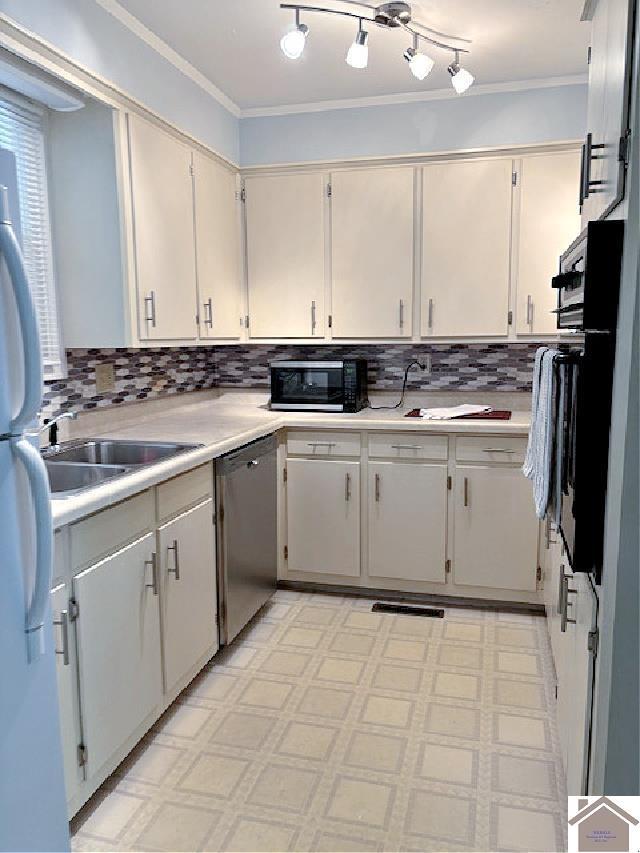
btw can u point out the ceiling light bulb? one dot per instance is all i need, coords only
(358, 55)
(293, 42)
(419, 63)
(461, 79)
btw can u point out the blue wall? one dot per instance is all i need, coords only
(472, 121)
(95, 39)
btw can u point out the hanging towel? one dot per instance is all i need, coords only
(559, 449)
(537, 463)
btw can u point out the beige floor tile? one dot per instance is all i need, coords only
(391, 676)
(213, 685)
(365, 621)
(112, 815)
(212, 774)
(278, 610)
(338, 669)
(153, 763)
(250, 834)
(282, 787)
(469, 657)
(326, 702)
(405, 650)
(244, 730)
(286, 663)
(382, 753)
(521, 694)
(449, 764)
(260, 632)
(185, 721)
(516, 637)
(265, 694)
(456, 686)
(311, 615)
(355, 644)
(327, 842)
(384, 711)
(357, 801)
(441, 816)
(521, 829)
(452, 721)
(178, 827)
(521, 731)
(462, 631)
(412, 626)
(304, 740)
(517, 662)
(239, 657)
(306, 638)
(526, 776)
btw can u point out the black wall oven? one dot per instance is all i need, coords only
(321, 386)
(588, 289)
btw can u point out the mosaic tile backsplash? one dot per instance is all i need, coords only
(150, 373)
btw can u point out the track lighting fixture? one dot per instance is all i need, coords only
(419, 63)
(358, 54)
(387, 16)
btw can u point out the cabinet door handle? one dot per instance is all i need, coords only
(430, 315)
(154, 573)
(529, 310)
(63, 622)
(150, 301)
(176, 559)
(377, 489)
(401, 313)
(347, 487)
(208, 313)
(565, 590)
(313, 317)
(466, 491)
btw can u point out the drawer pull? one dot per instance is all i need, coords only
(497, 450)
(321, 443)
(406, 447)
(176, 564)
(377, 487)
(63, 622)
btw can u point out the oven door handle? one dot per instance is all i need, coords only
(570, 279)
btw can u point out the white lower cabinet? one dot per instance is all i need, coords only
(407, 520)
(323, 517)
(495, 528)
(118, 635)
(187, 562)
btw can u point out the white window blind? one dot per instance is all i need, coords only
(22, 131)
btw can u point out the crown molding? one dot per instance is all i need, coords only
(163, 49)
(415, 97)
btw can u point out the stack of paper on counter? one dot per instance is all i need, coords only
(447, 414)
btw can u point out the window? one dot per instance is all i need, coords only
(22, 131)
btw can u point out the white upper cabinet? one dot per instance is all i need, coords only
(549, 220)
(217, 248)
(372, 254)
(285, 256)
(162, 196)
(466, 238)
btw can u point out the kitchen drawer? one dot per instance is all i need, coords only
(491, 448)
(325, 444)
(106, 531)
(184, 491)
(408, 445)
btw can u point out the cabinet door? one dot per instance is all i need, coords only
(162, 196)
(67, 689)
(372, 253)
(407, 521)
(323, 517)
(187, 560)
(466, 242)
(217, 248)
(549, 222)
(495, 528)
(118, 631)
(285, 256)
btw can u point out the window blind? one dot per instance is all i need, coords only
(22, 131)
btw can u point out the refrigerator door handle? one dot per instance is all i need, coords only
(39, 484)
(33, 376)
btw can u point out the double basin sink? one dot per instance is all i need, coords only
(79, 465)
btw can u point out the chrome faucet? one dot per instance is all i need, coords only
(52, 425)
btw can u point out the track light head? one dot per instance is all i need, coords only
(461, 79)
(419, 63)
(358, 54)
(292, 43)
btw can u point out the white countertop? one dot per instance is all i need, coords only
(228, 421)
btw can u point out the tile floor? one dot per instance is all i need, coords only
(329, 727)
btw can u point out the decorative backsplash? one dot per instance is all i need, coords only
(149, 373)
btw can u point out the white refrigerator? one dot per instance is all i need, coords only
(33, 812)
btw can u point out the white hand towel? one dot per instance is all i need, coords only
(447, 414)
(537, 464)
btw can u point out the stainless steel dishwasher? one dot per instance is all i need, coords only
(246, 485)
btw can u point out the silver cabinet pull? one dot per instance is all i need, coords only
(208, 313)
(154, 573)
(565, 590)
(313, 317)
(347, 487)
(321, 443)
(406, 447)
(150, 302)
(401, 313)
(377, 487)
(497, 450)
(560, 591)
(63, 622)
(176, 560)
(466, 491)
(529, 310)
(430, 314)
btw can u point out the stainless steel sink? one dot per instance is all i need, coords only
(128, 453)
(67, 478)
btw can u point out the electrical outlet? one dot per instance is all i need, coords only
(105, 378)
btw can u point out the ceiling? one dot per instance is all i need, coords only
(236, 46)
